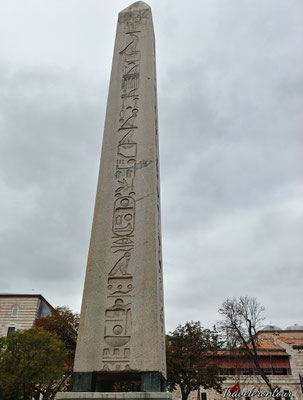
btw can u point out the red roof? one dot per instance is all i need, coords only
(244, 362)
(296, 341)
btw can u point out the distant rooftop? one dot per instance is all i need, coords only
(294, 327)
(26, 295)
(271, 328)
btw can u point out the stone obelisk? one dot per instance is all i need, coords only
(121, 333)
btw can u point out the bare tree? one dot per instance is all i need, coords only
(242, 318)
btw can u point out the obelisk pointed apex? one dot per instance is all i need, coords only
(138, 5)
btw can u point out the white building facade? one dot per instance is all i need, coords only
(19, 311)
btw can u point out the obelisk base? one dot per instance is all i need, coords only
(152, 381)
(115, 396)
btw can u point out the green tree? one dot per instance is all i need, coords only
(189, 351)
(64, 323)
(31, 362)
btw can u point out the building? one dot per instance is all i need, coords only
(19, 311)
(280, 354)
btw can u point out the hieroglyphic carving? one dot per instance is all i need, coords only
(124, 216)
(117, 323)
(116, 359)
(133, 20)
(120, 280)
(120, 286)
(118, 313)
(121, 265)
(124, 243)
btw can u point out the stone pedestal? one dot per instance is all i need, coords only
(115, 396)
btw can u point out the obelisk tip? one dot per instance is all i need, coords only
(138, 5)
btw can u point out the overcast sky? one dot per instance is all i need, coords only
(230, 90)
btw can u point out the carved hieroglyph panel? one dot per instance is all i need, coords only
(120, 287)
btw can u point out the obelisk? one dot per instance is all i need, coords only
(121, 334)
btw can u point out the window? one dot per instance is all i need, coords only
(11, 329)
(15, 310)
(279, 371)
(203, 396)
(229, 371)
(245, 371)
(267, 371)
(43, 310)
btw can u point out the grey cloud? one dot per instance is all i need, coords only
(50, 151)
(230, 117)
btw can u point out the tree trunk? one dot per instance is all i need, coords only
(253, 353)
(56, 390)
(37, 396)
(185, 394)
(264, 376)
